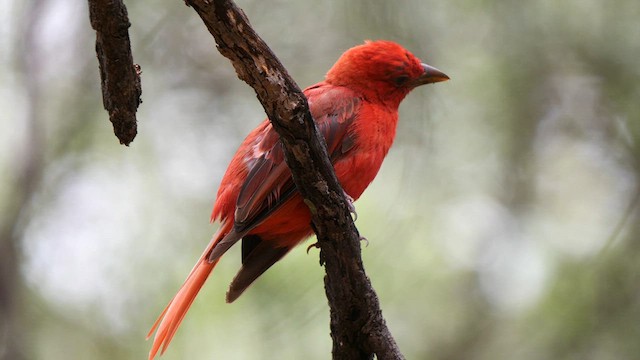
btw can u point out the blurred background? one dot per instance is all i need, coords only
(504, 223)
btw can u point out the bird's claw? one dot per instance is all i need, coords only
(314, 245)
(351, 207)
(362, 238)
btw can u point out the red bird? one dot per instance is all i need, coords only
(356, 110)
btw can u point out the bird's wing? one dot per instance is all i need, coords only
(268, 184)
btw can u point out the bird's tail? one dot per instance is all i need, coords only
(168, 322)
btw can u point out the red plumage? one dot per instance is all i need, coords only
(356, 110)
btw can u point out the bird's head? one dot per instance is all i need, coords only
(383, 70)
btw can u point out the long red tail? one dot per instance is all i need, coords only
(168, 322)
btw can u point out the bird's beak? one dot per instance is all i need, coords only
(431, 75)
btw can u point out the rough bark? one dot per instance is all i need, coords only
(119, 76)
(358, 328)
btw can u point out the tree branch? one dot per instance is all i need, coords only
(119, 76)
(358, 329)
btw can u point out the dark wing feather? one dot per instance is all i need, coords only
(262, 256)
(266, 187)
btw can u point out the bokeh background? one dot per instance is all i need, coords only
(504, 223)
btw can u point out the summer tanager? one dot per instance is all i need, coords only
(356, 110)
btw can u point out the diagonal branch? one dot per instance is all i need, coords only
(120, 77)
(358, 329)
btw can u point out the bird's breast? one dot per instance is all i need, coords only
(373, 133)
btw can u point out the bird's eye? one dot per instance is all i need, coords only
(401, 80)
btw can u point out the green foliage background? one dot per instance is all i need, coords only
(503, 225)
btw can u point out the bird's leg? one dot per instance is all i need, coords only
(352, 209)
(350, 206)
